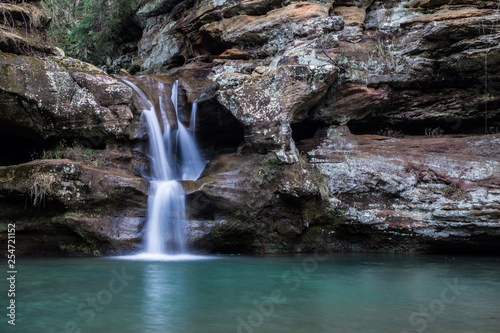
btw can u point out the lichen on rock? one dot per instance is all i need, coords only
(356, 125)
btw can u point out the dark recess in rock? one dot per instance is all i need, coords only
(436, 127)
(305, 129)
(20, 144)
(92, 143)
(217, 130)
(483, 245)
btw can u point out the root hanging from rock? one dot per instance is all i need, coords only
(40, 186)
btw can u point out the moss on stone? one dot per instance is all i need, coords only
(269, 170)
(81, 249)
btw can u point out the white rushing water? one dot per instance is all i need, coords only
(174, 156)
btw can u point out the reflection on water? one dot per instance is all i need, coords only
(144, 256)
(159, 289)
(342, 293)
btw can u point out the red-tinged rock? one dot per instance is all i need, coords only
(354, 101)
(415, 176)
(353, 16)
(426, 4)
(258, 29)
(234, 54)
(450, 14)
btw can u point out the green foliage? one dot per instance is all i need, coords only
(76, 152)
(453, 191)
(83, 249)
(89, 29)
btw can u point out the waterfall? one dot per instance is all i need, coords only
(174, 156)
(192, 164)
(192, 121)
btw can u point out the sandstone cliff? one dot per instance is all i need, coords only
(362, 125)
(82, 193)
(369, 125)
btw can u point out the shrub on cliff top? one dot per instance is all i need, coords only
(90, 30)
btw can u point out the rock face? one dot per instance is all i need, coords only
(63, 206)
(441, 70)
(267, 113)
(364, 125)
(445, 190)
(77, 123)
(70, 160)
(256, 203)
(390, 109)
(64, 97)
(23, 29)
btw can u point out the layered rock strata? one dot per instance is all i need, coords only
(364, 125)
(70, 161)
(373, 100)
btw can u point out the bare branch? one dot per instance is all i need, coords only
(333, 61)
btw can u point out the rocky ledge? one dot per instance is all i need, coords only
(71, 158)
(63, 206)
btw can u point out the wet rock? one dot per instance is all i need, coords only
(365, 125)
(253, 203)
(384, 70)
(81, 209)
(75, 122)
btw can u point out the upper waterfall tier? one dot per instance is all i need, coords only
(173, 151)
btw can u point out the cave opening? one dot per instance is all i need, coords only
(433, 127)
(207, 44)
(20, 144)
(217, 130)
(304, 132)
(97, 143)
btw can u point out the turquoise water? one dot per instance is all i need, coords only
(301, 293)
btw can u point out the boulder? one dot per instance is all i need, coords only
(269, 100)
(57, 95)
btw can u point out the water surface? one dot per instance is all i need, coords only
(300, 293)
